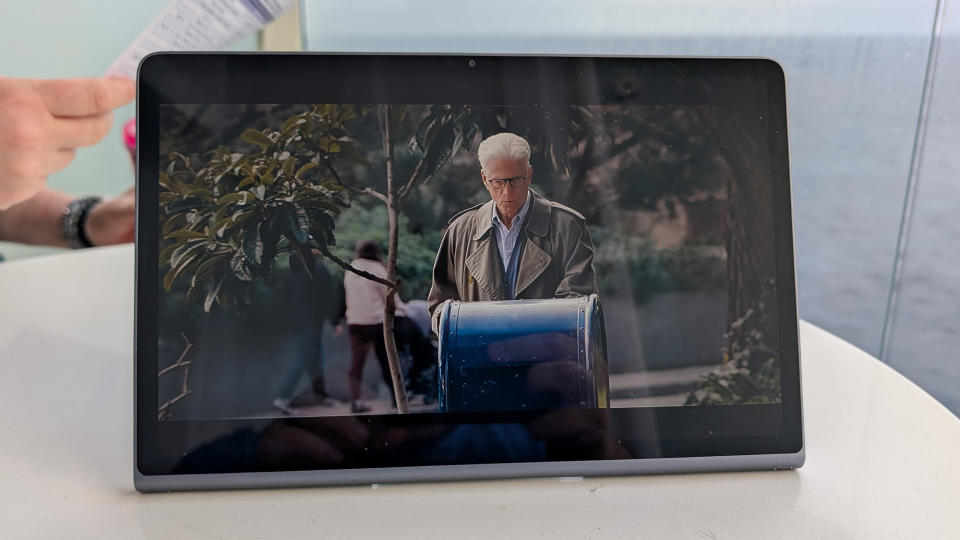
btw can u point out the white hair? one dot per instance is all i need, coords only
(503, 146)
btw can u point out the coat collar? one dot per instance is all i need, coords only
(538, 219)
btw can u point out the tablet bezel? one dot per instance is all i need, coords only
(690, 444)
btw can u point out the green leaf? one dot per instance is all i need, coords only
(316, 202)
(164, 256)
(194, 290)
(200, 193)
(185, 234)
(212, 295)
(241, 198)
(418, 143)
(220, 214)
(245, 182)
(168, 197)
(166, 182)
(469, 132)
(306, 167)
(290, 131)
(240, 268)
(176, 270)
(253, 244)
(168, 279)
(440, 149)
(346, 112)
(294, 120)
(220, 227)
(174, 156)
(288, 165)
(184, 205)
(173, 222)
(180, 255)
(256, 137)
(299, 224)
(242, 215)
(268, 176)
(209, 264)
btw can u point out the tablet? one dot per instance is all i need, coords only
(380, 268)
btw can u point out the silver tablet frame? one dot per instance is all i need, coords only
(486, 471)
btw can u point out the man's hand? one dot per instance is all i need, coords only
(43, 122)
(112, 221)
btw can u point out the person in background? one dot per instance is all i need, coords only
(413, 339)
(309, 305)
(364, 302)
(42, 124)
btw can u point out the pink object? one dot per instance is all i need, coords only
(130, 138)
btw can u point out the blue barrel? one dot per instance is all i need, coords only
(522, 355)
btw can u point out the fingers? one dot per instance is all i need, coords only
(41, 122)
(84, 97)
(59, 160)
(74, 132)
(42, 165)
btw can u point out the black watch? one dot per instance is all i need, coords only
(74, 222)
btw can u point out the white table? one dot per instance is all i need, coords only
(881, 454)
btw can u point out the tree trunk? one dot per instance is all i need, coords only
(389, 309)
(751, 268)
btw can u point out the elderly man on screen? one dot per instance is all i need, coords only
(518, 245)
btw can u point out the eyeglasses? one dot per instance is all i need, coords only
(515, 181)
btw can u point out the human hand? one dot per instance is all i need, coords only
(338, 330)
(112, 221)
(43, 122)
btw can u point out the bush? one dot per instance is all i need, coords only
(416, 251)
(634, 266)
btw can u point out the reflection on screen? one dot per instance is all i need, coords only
(522, 258)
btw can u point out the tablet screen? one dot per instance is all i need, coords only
(562, 257)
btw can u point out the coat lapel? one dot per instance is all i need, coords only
(534, 259)
(483, 265)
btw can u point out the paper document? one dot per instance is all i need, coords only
(198, 25)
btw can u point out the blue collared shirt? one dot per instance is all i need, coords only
(507, 238)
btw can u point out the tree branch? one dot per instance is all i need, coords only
(349, 268)
(364, 191)
(336, 176)
(412, 183)
(162, 411)
(184, 390)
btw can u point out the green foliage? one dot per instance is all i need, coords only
(416, 250)
(732, 385)
(750, 372)
(228, 216)
(634, 262)
(667, 153)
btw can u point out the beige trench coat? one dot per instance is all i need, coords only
(556, 261)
